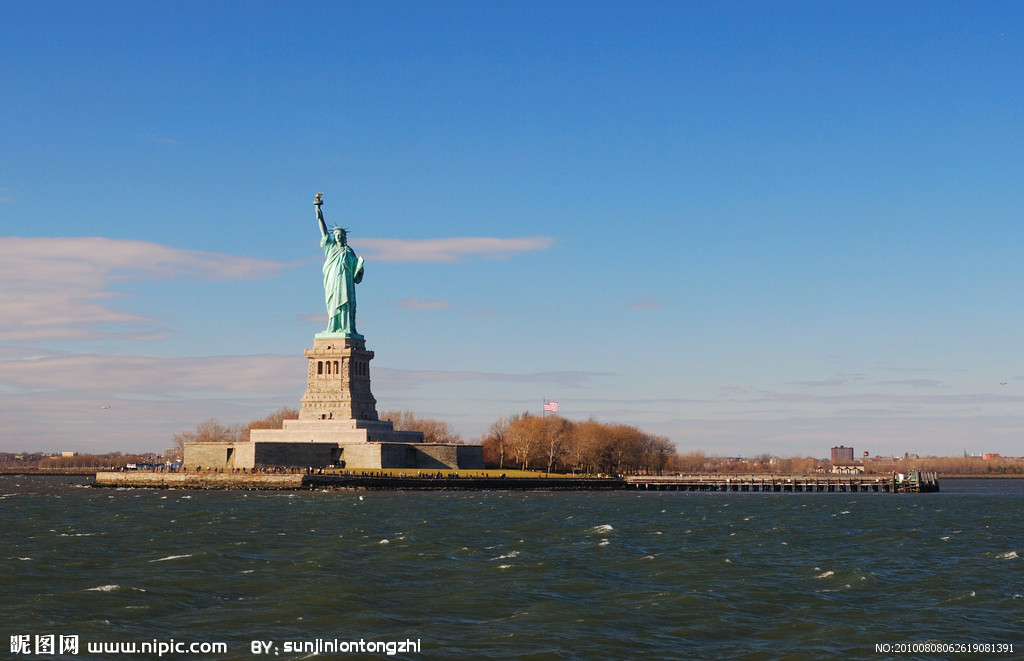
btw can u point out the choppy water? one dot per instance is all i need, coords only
(516, 575)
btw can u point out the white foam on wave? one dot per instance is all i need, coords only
(384, 541)
(173, 557)
(104, 588)
(845, 587)
(604, 542)
(111, 588)
(504, 566)
(605, 527)
(1009, 555)
(504, 556)
(826, 574)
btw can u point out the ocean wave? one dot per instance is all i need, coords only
(840, 589)
(173, 557)
(112, 588)
(826, 574)
(1009, 555)
(605, 527)
(504, 556)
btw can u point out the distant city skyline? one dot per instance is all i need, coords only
(749, 228)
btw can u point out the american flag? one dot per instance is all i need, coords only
(551, 407)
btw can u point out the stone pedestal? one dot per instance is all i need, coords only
(337, 426)
(338, 384)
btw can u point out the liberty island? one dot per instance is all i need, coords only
(338, 426)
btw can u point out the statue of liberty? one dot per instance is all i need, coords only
(342, 271)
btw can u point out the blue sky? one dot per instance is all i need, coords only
(749, 227)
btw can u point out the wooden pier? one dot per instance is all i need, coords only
(915, 482)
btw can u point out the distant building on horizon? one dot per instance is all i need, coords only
(841, 453)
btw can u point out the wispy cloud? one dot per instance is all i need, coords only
(51, 401)
(419, 304)
(648, 303)
(150, 377)
(832, 382)
(915, 383)
(449, 250)
(57, 289)
(396, 378)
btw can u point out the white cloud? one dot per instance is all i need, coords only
(449, 250)
(647, 303)
(51, 401)
(397, 378)
(150, 377)
(56, 289)
(419, 304)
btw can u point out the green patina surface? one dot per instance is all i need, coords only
(343, 270)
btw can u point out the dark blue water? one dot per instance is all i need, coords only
(516, 575)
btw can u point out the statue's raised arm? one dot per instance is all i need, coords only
(320, 214)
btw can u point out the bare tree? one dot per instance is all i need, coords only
(691, 462)
(585, 442)
(523, 435)
(210, 430)
(497, 435)
(662, 451)
(273, 421)
(556, 430)
(434, 431)
(180, 439)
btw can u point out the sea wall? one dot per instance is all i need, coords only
(185, 480)
(371, 480)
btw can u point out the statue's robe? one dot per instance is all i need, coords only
(342, 271)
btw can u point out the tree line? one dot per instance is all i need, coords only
(556, 444)
(76, 462)
(210, 430)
